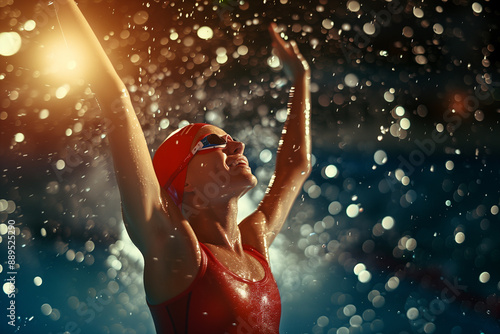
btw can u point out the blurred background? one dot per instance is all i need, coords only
(396, 230)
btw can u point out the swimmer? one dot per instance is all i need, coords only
(203, 272)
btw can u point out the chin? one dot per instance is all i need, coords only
(252, 180)
(249, 183)
(248, 188)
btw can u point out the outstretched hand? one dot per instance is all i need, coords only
(289, 54)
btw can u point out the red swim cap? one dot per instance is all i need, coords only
(169, 156)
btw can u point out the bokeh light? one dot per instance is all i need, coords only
(205, 32)
(10, 43)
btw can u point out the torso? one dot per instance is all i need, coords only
(171, 261)
(175, 260)
(221, 301)
(244, 266)
(156, 273)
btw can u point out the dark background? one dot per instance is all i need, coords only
(439, 66)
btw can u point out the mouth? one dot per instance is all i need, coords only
(239, 162)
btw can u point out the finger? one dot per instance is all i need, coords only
(272, 28)
(295, 47)
(279, 42)
(273, 31)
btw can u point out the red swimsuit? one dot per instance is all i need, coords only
(220, 302)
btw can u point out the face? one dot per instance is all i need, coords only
(216, 174)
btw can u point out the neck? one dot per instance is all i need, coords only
(217, 224)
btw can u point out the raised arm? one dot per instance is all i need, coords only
(293, 160)
(148, 213)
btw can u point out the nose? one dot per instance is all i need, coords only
(234, 147)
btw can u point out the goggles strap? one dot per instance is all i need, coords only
(183, 165)
(199, 146)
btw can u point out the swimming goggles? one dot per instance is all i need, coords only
(212, 141)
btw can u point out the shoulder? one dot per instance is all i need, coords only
(167, 281)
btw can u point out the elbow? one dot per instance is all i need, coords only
(300, 167)
(300, 172)
(306, 167)
(295, 161)
(304, 161)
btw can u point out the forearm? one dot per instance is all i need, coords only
(294, 152)
(293, 161)
(135, 175)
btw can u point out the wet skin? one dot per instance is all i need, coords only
(168, 240)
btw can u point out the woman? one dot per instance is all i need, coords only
(204, 272)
